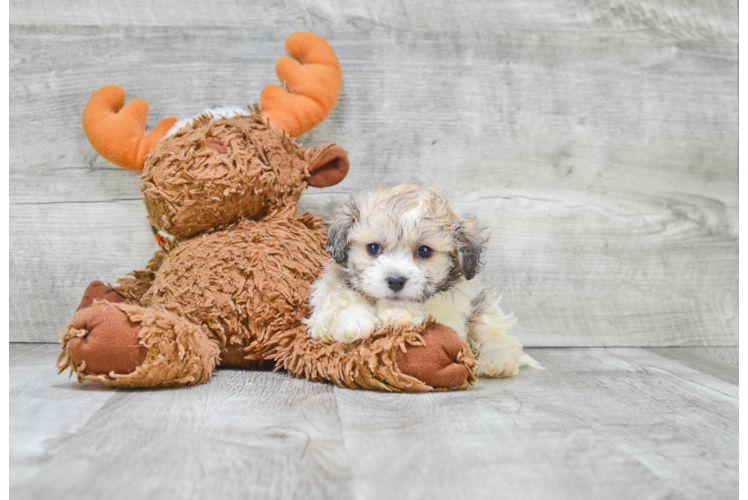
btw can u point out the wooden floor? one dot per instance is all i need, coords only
(597, 423)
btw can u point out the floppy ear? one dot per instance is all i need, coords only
(328, 166)
(338, 230)
(470, 245)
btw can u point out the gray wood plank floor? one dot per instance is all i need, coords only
(595, 140)
(596, 423)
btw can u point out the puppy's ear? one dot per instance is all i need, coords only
(338, 230)
(470, 245)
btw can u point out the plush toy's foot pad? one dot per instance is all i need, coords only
(97, 290)
(126, 345)
(111, 344)
(436, 363)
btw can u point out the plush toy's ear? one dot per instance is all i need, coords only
(328, 167)
(338, 230)
(117, 130)
(312, 79)
(470, 245)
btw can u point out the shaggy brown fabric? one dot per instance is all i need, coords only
(246, 281)
(96, 290)
(435, 363)
(178, 352)
(190, 186)
(370, 363)
(233, 286)
(134, 288)
(247, 285)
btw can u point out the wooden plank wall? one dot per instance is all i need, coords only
(595, 140)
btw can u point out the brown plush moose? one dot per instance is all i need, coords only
(231, 289)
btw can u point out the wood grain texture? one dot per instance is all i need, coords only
(595, 423)
(46, 409)
(245, 434)
(687, 19)
(596, 142)
(719, 362)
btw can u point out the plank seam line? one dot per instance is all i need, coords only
(74, 201)
(692, 382)
(648, 368)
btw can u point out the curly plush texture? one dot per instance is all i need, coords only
(247, 285)
(365, 364)
(212, 172)
(179, 353)
(245, 281)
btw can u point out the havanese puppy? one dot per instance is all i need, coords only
(399, 256)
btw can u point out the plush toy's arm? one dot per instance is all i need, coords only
(418, 359)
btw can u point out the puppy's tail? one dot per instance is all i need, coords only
(526, 360)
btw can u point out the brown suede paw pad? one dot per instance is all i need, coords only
(435, 363)
(111, 344)
(96, 290)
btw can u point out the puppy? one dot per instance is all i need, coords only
(402, 256)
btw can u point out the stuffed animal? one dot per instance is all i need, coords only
(232, 288)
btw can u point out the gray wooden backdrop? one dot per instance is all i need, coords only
(595, 140)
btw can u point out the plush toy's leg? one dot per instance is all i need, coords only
(96, 290)
(411, 360)
(131, 346)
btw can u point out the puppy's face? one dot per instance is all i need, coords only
(403, 243)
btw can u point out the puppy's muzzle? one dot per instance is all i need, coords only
(396, 283)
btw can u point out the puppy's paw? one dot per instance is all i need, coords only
(502, 359)
(354, 327)
(495, 368)
(351, 324)
(394, 317)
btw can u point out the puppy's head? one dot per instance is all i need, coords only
(403, 243)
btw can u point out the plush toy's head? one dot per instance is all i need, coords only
(214, 171)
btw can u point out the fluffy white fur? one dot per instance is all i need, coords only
(217, 112)
(352, 297)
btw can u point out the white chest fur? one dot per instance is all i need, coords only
(451, 308)
(343, 315)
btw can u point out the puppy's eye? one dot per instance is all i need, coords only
(424, 252)
(374, 249)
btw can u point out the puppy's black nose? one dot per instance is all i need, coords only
(396, 283)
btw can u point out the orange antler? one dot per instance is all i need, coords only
(313, 81)
(118, 133)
